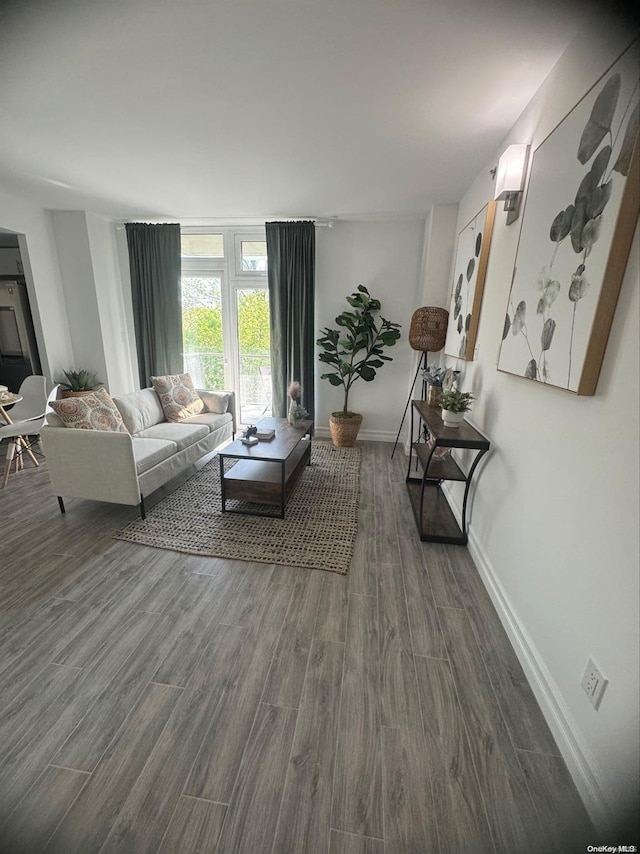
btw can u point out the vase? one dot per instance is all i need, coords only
(291, 414)
(452, 419)
(434, 395)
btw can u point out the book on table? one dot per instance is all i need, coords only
(265, 435)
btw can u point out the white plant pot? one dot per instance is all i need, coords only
(452, 419)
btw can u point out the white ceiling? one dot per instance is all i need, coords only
(245, 108)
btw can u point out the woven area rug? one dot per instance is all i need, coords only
(318, 531)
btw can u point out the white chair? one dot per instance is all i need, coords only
(19, 432)
(33, 392)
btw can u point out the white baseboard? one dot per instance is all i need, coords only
(363, 435)
(578, 757)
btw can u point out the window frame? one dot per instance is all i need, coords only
(233, 278)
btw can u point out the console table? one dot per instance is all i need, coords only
(434, 517)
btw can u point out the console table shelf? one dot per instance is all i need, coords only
(434, 517)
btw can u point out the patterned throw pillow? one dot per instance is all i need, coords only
(178, 397)
(94, 411)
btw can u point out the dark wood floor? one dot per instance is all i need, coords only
(158, 702)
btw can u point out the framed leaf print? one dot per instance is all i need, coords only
(579, 219)
(469, 273)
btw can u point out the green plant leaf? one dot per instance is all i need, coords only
(599, 123)
(333, 379)
(367, 373)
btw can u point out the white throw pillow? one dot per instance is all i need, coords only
(215, 401)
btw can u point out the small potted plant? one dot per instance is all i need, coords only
(353, 352)
(79, 383)
(454, 404)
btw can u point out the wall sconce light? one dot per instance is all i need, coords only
(509, 177)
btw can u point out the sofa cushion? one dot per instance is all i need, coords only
(149, 452)
(178, 397)
(215, 401)
(182, 434)
(140, 409)
(94, 411)
(210, 419)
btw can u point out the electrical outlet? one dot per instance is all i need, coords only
(593, 683)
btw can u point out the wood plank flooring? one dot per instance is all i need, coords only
(158, 702)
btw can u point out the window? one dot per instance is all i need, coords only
(202, 245)
(250, 256)
(225, 315)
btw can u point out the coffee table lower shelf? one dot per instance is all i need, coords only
(438, 523)
(264, 482)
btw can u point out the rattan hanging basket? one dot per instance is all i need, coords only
(344, 429)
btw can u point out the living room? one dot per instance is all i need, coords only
(553, 515)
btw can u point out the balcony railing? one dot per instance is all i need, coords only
(207, 371)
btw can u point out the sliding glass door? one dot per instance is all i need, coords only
(225, 317)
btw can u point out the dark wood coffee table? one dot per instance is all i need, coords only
(265, 473)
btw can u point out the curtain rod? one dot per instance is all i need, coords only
(319, 223)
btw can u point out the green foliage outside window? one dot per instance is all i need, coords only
(202, 328)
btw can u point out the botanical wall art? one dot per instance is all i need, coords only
(578, 223)
(470, 270)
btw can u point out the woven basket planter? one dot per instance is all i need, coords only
(344, 429)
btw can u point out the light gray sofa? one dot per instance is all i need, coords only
(123, 468)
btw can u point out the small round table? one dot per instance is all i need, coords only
(9, 400)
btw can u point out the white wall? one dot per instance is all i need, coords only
(384, 256)
(44, 284)
(79, 285)
(554, 523)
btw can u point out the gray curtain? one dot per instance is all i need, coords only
(291, 249)
(155, 266)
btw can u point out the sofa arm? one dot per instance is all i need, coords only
(94, 464)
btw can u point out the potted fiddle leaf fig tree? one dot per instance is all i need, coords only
(354, 351)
